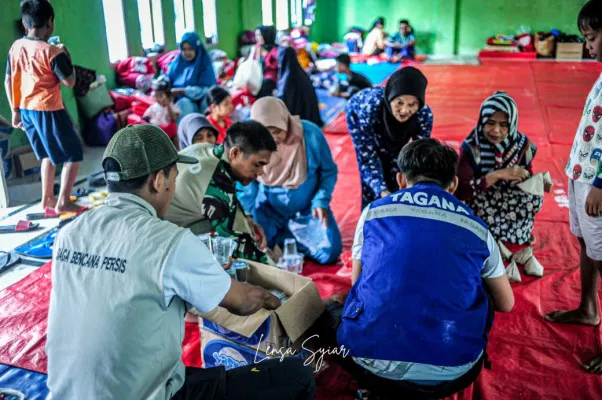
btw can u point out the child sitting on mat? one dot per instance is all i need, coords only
(34, 73)
(164, 113)
(220, 104)
(354, 83)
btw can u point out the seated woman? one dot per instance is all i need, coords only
(295, 88)
(375, 41)
(381, 122)
(220, 105)
(493, 158)
(268, 52)
(191, 75)
(297, 183)
(196, 128)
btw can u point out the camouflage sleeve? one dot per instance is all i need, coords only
(219, 207)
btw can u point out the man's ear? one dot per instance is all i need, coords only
(402, 181)
(234, 153)
(454, 185)
(158, 181)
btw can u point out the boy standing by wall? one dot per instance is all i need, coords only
(584, 170)
(34, 72)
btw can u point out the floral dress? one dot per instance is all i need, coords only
(376, 161)
(506, 209)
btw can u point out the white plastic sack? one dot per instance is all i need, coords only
(249, 74)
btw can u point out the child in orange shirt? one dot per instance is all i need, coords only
(220, 104)
(34, 73)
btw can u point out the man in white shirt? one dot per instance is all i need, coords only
(122, 280)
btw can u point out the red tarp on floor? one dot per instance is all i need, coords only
(531, 359)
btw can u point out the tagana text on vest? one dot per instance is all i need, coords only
(419, 297)
(107, 271)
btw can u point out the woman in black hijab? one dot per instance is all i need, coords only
(268, 52)
(295, 88)
(382, 121)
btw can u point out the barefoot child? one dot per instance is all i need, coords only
(34, 73)
(220, 104)
(585, 188)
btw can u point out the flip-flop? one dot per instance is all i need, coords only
(50, 213)
(4, 392)
(7, 260)
(81, 192)
(22, 226)
(41, 246)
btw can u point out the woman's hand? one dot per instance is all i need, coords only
(385, 193)
(322, 215)
(258, 233)
(513, 174)
(178, 91)
(593, 203)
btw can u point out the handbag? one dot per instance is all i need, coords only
(249, 74)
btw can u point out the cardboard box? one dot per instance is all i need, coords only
(266, 332)
(569, 51)
(23, 162)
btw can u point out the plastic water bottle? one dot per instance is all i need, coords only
(309, 232)
(290, 247)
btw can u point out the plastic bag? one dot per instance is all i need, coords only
(249, 74)
(309, 232)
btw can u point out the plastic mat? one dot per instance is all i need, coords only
(531, 359)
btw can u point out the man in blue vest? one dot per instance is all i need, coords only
(427, 275)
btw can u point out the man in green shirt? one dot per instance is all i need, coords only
(205, 199)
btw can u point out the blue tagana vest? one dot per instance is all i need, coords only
(419, 297)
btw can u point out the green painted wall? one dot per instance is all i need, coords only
(229, 23)
(80, 29)
(446, 26)
(251, 14)
(80, 25)
(8, 34)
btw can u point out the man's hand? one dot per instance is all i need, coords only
(593, 203)
(271, 302)
(322, 215)
(258, 233)
(17, 119)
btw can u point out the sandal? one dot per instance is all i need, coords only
(22, 226)
(50, 213)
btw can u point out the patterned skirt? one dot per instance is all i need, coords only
(509, 213)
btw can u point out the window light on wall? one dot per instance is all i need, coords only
(184, 13)
(115, 29)
(210, 21)
(151, 23)
(267, 14)
(282, 15)
(297, 12)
